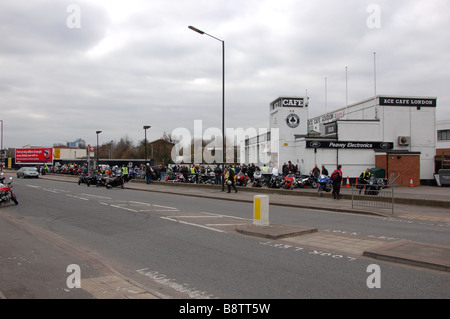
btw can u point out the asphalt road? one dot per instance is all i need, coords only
(184, 247)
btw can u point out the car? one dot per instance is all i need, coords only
(28, 172)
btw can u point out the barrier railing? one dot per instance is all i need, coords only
(383, 199)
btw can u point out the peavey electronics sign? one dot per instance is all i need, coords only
(404, 101)
(352, 145)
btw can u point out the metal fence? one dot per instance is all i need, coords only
(384, 199)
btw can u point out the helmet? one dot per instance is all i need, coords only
(229, 182)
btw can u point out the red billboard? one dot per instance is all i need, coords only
(34, 155)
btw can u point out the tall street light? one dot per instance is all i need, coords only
(96, 153)
(223, 100)
(146, 127)
(3, 162)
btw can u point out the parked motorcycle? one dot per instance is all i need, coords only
(258, 179)
(83, 179)
(372, 186)
(116, 180)
(324, 183)
(275, 182)
(306, 181)
(289, 181)
(101, 180)
(91, 179)
(206, 178)
(6, 193)
(242, 179)
(170, 177)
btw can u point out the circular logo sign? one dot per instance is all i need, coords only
(314, 144)
(293, 120)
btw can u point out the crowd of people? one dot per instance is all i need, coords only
(159, 172)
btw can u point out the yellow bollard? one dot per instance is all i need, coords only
(261, 210)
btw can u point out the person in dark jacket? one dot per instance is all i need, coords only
(218, 175)
(229, 179)
(148, 173)
(336, 177)
(250, 171)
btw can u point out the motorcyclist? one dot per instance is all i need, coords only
(315, 171)
(229, 178)
(364, 179)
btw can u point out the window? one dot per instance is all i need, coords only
(443, 135)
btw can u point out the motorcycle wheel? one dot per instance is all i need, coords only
(314, 185)
(14, 199)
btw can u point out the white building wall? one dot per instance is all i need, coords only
(417, 124)
(440, 126)
(72, 154)
(363, 121)
(360, 131)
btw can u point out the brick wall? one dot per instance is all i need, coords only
(403, 167)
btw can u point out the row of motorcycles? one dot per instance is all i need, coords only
(114, 179)
(322, 183)
(6, 193)
(290, 181)
(179, 177)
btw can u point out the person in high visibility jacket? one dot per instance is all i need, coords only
(364, 179)
(194, 173)
(229, 179)
(125, 173)
(265, 171)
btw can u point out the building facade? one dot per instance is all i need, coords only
(443, 144)
(389, 132)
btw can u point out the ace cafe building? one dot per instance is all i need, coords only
(395, 133)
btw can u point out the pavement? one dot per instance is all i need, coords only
(421, 204)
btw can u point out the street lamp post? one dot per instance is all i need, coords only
(146, 127)
(223, 100)
(2, 163)
(96, 153)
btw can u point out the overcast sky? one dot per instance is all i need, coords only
(70, 68)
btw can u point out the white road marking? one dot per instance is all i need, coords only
(78, 197)
(96, 196)
(51, 191)
(168, 207)
(131, 210)
(224, 225)
(191, 224)
(193, 216)
(140, 203)
(221, 215)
